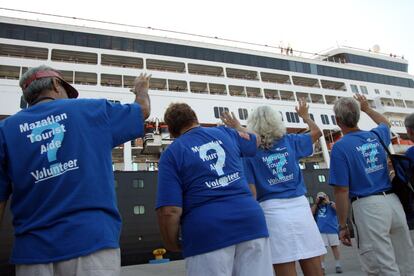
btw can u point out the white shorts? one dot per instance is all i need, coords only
(242, 259)
(293, 232)
(330, 239)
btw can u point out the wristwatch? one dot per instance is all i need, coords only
(343, 227)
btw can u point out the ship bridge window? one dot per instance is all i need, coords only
(271, 94)
(302, 95)
(9, 72)
(354, 88)
(237, 91)
(111, 80)
(199, 69)
(387, 92)
(376, 91)
(333, 85)
(399, 103)
(317, 98)
(243, 114)
(333, 119)
(241, 74)
(308, 82)
(292, 117)
(325, 119)
(74, 56)
(198, 87)
(275, 78)
(217, 89)
(364, 89)
(164, 65)
(409, 104)
(23, 51)
(177, 86)
(85, 78)
(253, 92)
(218, 110)
(287, 96)
(330, 99)
(122, 61)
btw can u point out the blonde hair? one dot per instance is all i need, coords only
(268, 124)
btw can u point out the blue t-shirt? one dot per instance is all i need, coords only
(326, 219)
(410, 153)
(56, 162)
(359, 161)
(275, 172)
(202, 172)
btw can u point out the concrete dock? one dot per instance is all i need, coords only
(349, 260)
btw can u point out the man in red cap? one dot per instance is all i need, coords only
(55, 161)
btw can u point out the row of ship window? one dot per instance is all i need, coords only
(369, 61)
(29, 33)
(86, 78)
(291, 117)
(160, 65)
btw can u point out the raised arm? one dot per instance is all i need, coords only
(378, 118)
(230, 120)
(303, 111)
(169, 223)
(141, 86)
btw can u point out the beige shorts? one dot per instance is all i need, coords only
(106, 262)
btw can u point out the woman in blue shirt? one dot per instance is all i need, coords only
(275, 174)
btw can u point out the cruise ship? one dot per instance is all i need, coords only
(212, 78)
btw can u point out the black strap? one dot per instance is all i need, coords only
(382, 143)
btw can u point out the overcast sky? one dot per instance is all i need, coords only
(307, 25)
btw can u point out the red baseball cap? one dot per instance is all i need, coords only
(70, 90)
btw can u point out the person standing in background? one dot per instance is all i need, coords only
(324, 212)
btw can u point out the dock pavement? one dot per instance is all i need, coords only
(349, 260)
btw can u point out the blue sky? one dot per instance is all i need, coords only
(303, 24)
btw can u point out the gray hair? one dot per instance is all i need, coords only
(347, 111)
(36, 87)
(268, 124)
(409, 121)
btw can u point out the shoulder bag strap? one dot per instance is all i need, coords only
(382, 143)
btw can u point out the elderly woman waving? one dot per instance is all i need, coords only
(275, 175)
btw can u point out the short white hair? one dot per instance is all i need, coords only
(268, 124)
(347, 111)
